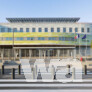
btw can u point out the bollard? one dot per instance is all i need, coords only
(73, 73)
(19, 69)
(53, 72)
(69, 69)
(2, 70)
(55, 76)
(13, 74)
(33, 73)
(85, 69)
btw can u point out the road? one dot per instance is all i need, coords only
(22, 85)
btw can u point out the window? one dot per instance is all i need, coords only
(33, 29)
(40, 38)
(30, 38)
(14, 29)
(9, 38)
(82, 29)
(20, 38)
(76, 29)
(63, 38)
(27, 29)
(70, 29)
(58, 29)
(88, 30)
(9, 30)
(64, 30)
(2, 29)
(46, 29)
(60, 38)
(52, 38)
(39, 29)
(21, 29)
(72, 39)
(52, 29)
(66, 38)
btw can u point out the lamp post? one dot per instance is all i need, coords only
(13, 45)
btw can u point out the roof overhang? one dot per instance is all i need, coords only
(25, 20)
(43, 47)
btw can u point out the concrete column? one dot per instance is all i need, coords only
(30, 53)
(8, 54)
(48, 54)
(14, 54)
(63, 53)
(19, 53)
(71, 54)
(67, 53)
(74, 56)
(2, 54)
(58, 54)
(39, 54)
(44, 54)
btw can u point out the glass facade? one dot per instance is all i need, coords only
(51, 38)
(9, 38)
(19, 38)
(40, 38)
(9, 30)
(2, 29)
(45, 30)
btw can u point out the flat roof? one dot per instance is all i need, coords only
(23, 20)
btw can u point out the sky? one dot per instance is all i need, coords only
(46, 8)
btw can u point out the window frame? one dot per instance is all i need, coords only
(40, 29)
(64, 29)
(45, 29)
(27, 29)
(58, 29)
(70, 30)
(52, 29)
(82, 30)
(33, 29)
(21, 30)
